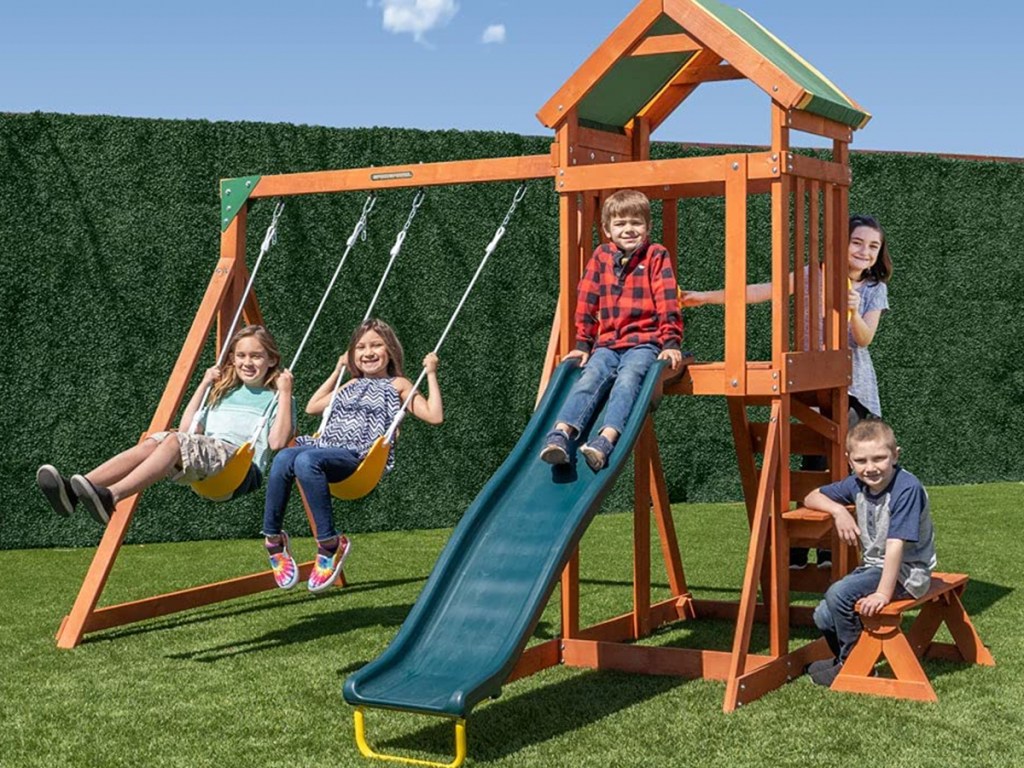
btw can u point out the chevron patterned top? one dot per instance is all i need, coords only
(362, 412)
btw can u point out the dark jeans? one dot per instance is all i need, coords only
(315, 468)
(836, 616)
(622, 372)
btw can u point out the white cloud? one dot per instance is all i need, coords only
(495, 33)
(417, 16)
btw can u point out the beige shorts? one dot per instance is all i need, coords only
(201, 456)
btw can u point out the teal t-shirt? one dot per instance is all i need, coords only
(234, 417)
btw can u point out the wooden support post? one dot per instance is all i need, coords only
(666, 525)
(642, 530)
(571, 596)
(755, 557)
(736, 276)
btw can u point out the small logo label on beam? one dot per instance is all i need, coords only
(391, 176)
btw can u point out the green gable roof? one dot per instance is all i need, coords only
(633, 81)
(823, 97)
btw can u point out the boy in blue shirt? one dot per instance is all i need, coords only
(894, 528)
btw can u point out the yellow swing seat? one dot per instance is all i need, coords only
(367, 474)
(222, 486)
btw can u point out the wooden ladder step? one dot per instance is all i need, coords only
(804, 523)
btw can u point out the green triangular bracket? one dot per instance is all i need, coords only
(233, 194)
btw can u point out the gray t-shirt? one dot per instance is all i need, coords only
(901, 511)
(864, 385)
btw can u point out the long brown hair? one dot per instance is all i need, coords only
(229, 379)
(881, 270)
(396, 357)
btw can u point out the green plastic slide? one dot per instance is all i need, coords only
(492, 581)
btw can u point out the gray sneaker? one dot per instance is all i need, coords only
(57, 490)
(96, 498)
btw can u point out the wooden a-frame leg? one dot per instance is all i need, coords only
(75, 624)
(755, 559)
(883, 638)
(967, 645)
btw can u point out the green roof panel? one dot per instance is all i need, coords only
(825, 98)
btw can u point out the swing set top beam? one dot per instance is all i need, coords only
(398, 176)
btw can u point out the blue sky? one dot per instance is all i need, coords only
(936, 78)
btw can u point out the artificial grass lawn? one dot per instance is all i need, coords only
(256, 682)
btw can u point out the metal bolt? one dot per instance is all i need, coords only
(561, 183)
(574, 161)
(735, 383)
(775, 88)
(775, 387)
(775, 374)
(559, 107)
(791, 383)
(561, 171)
(592, 155)
(248, 183)
(571, 149)
(229, 207)
(225, 221)
(775, 169)
(735, 166)
(743, 686)
(666, 187)
(772, 419)
(774, 158)
(613, 158)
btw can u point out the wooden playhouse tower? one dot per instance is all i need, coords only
(603, 118)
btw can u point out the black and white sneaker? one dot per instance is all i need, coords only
(57, 490)
(97, 499)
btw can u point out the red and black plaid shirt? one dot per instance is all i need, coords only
(622, 305)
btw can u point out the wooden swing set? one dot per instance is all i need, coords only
(603, 118)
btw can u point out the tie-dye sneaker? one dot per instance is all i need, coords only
(286, 571)
(327, 567)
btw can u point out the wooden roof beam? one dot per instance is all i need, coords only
(713, 34)
(698, 75)
(599, 63)
(678, 43)
(673, 94)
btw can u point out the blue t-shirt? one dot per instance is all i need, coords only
(900, 511)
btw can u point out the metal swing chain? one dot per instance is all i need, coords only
(491, 246)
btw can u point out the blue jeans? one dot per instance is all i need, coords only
(314, 468)
(836, 616)
(622, 371)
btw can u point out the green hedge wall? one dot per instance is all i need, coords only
(109, 236)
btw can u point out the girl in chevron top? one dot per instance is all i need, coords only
(363, 411)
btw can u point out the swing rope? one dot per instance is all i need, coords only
(395, 250)
(358, 230)
(498, 234)
(370, 470)
(269, 239)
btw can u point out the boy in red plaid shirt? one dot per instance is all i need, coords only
(627, 316)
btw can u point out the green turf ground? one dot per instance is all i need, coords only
(257, 682)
